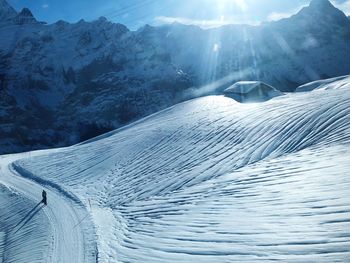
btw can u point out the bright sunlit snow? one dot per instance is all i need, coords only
(208, 180)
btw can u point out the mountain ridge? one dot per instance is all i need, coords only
(320, 5)
(65, 82)
(7, 12)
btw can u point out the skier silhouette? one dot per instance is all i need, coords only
(44, 197)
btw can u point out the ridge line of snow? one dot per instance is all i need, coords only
(26, 174)
(132, 124)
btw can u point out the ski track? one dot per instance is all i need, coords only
(212, 180)
(56, 226)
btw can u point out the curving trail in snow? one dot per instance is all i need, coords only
(209, 180)
(51, 233)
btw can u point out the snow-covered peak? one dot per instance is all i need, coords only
(320, 14)
(26, 13)
(102, 19)
(25, 17)
(146, 29)
(6, 11)
(321, 4)
(323, 9)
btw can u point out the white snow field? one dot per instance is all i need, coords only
(208, 180)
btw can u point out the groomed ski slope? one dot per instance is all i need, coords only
(209, 180)
(33, 232)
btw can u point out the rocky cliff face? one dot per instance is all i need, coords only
(63, 83)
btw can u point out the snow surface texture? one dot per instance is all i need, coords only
(17, 230)
(333, 83)
(208, 180)
(32, 232)
(251, 91)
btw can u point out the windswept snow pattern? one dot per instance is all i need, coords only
(213, 180)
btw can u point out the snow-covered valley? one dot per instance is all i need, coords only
(208, 180)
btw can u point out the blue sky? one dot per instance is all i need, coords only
(135, 13)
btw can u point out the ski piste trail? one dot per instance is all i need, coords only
(65, 217)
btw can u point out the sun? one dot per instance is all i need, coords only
(241, 4)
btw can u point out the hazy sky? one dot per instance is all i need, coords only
(135, 13)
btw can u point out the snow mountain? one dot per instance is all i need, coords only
(7, 12)
(63, 83)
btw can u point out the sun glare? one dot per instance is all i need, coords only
(241, 4)
(216, 47)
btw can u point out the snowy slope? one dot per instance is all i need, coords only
(333, 83)
(17, 230)
(212, 180)
(33, 232)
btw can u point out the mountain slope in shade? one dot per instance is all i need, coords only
(64, 83)
(6, 11)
